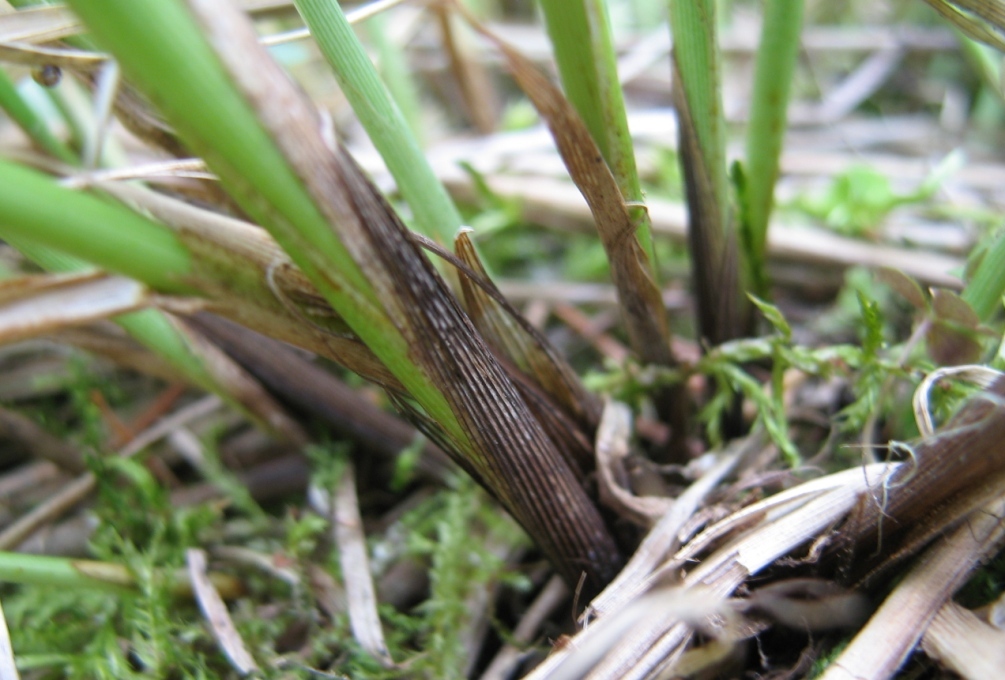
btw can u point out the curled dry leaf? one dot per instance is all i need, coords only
(612, 449)
(979, 375)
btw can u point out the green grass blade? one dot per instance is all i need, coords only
(395, 72)
(434, 211)
(60, 572)
(775, 65)
(31, 122)
(984, 291)
(693, 25)
(162, 49)
(34, 208)
(719, 273)
(155, 331)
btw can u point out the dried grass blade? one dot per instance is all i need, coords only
(639, 297)
(508, 448)
(19, 428)
(510, 334)
(240, 386)
(964, 643)
(347, 524)
(663, 539)
(543, 606)
(985, 24)
(40, 304)
(884, 643)
(37, 25)
(648, 645)
(646, 649)
(264, 290)
(109, 341)
(473, 80)
(612, 448)
(299, 382)
(215, 611)
(63, 57)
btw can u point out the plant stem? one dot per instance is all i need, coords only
(58, 572)
(31, 122)
(984, 290)
(775, 64)
(696, 53)
(435, 213)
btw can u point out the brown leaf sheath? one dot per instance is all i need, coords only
(715, 262)
(507, 446)
(514, 456)
(504, 328)
(559, 402)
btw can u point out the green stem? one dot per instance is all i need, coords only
(395, 72)
(58, 572)
(31, 122)
(435, 213)
(985, 289)
(693, 24)
(776, 61)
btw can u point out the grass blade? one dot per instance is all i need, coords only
(276, 157)
(521, 343)
(435, 214)
(723, 312)
(33, 124)
(776, 60)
